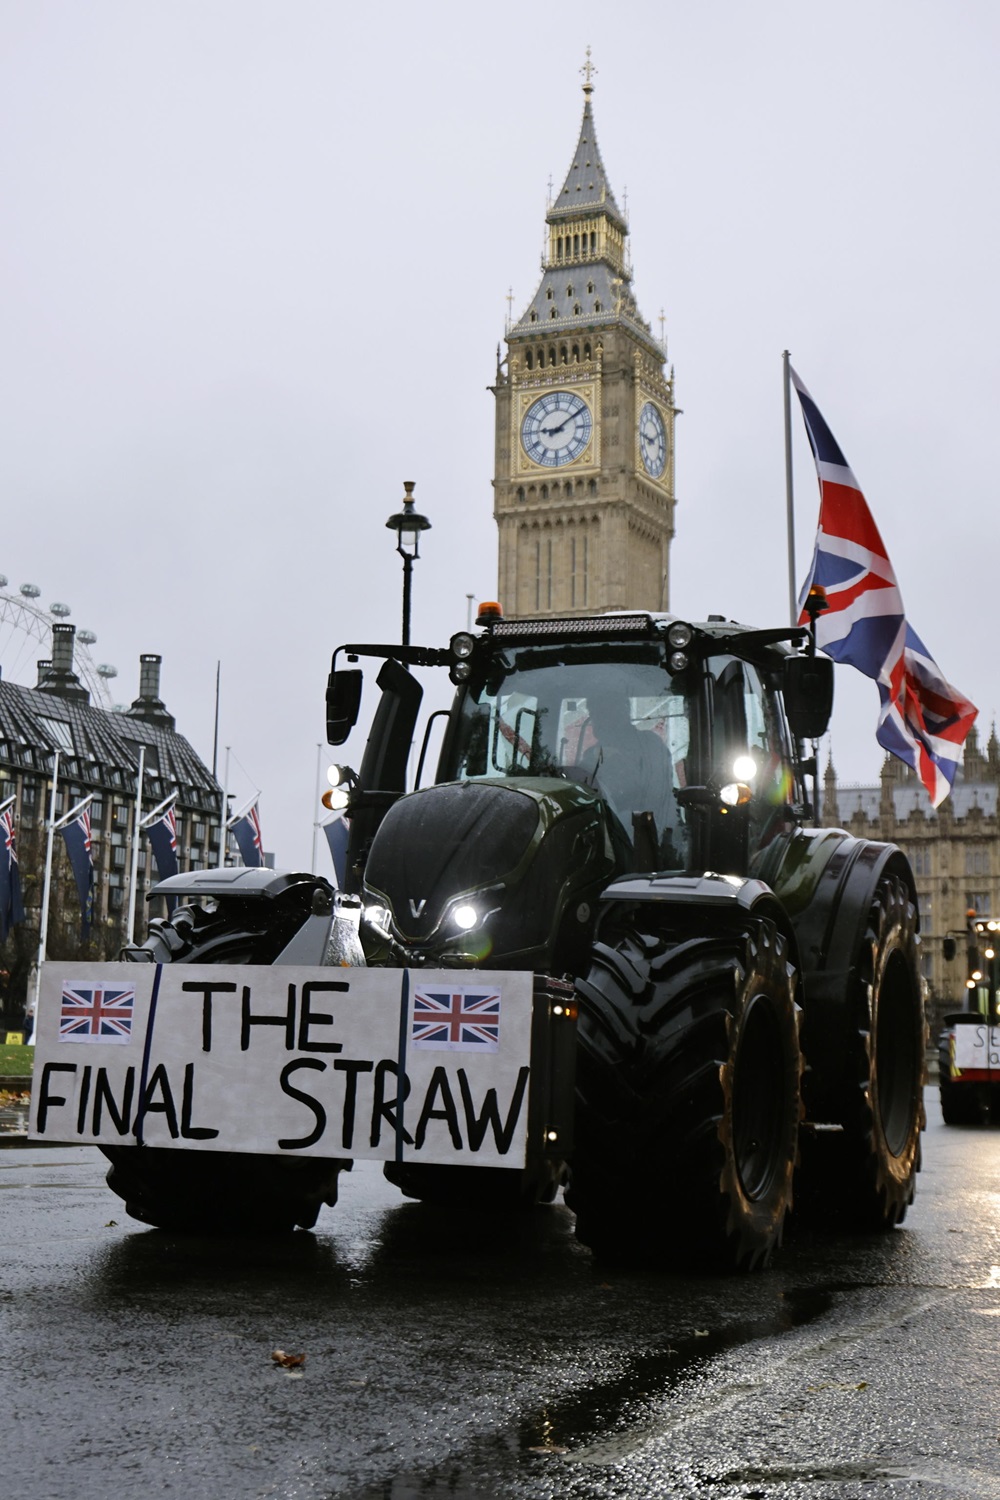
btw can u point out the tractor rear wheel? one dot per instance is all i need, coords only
(863, 1175)
(688, 1098)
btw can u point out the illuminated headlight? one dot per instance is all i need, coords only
(991, 953)
(970, 984)
(461, 671)
(735, 794)
(977, 975)
(335, 799)
(677, 661)
(679, 635)
(465, 917)
(462, 646)
(744, 768)
(378, 916)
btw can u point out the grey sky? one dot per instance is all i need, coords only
(255, 261)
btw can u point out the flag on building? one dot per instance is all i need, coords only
(78, 847)
(246, 832)
(923, 719)
(11, 904)
(163, 838)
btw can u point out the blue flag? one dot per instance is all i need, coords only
(163, 838)
(11, 905)
(246, 832)
(77, 836)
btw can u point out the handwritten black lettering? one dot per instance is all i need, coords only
(158, 1099)
(308, 1018)
(299, 1143)
(207, 988)
(352, 1067)
(489, 1115)
(385, 1109)
(287, 1020)
(439, 1085)
(188, 1131)
(81, 1113)
(103, 1095)
(46, 1100)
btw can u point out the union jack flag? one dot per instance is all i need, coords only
(923, 719)
(246, 831)
(96, 1013)
(456, 1020)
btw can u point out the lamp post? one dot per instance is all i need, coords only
(407, 524)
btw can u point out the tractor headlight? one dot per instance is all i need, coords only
(736, 794)
(465, 917)
(744, 768)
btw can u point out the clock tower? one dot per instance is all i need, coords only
(584, 474)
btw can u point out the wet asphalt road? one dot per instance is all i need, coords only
(447, 1356)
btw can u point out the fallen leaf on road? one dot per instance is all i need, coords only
(548, 1448)
(287, 1361)
(701, 1333)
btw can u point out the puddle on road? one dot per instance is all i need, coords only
(615, 1407)
(611, 1408)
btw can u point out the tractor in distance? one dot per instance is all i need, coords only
(969, 1043)
(619, 811)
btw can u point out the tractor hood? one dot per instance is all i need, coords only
(486, 871)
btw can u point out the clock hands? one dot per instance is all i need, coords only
(551, 431)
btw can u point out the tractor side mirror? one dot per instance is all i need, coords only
(948, 948)
(808, 693)
(343, 703)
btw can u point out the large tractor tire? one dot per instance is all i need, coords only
(688, 1098)
(964, 1103)
(218, 1192)
(863, 1175)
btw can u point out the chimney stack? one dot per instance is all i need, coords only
(57, 676)
(149, 706)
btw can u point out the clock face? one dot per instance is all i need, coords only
(652, 441)
(556, 428)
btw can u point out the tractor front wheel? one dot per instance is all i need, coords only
(688, 1098)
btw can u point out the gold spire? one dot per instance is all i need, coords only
(588, 70)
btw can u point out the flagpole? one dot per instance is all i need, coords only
(223, 830)
(134, 871)
(316, 804)
(159, 809)
(4, 805)
(46, 883)
(789, 491)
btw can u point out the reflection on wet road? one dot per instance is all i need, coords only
(461, 1356)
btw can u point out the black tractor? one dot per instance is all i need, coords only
(621, 804)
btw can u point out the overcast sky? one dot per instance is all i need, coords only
(255, 260)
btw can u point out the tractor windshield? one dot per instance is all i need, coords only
(617, 725)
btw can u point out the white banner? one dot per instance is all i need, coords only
(974, 1052)
(384, 1064)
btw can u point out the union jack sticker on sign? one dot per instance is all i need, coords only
(96, 1013)
(456, 1020)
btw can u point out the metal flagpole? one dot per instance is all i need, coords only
(134, 871)
(46, 883)
(316, 805)
(4, 805)
(54, 827)
(789, 492)
(159, 810)
(223, 829)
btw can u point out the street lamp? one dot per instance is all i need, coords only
(407, 524)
